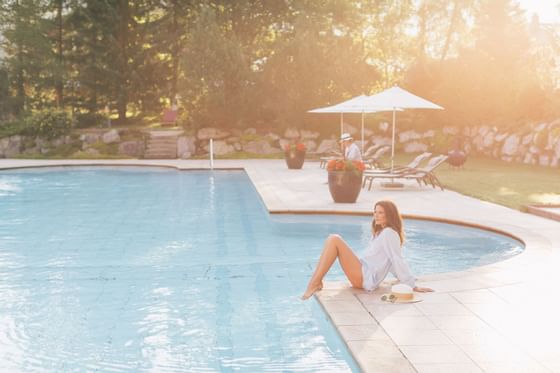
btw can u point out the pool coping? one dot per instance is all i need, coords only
(366, 325)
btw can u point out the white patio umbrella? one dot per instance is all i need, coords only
(358, 104)
(397, 99)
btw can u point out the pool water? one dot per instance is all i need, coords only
(134, 269)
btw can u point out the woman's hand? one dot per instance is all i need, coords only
(422, 290)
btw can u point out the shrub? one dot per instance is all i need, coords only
(85, 120)
(48, 124)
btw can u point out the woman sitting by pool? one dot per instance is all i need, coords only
(383, 255)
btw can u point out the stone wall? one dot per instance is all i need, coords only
(532, 144)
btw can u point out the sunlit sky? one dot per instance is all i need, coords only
(547, 10)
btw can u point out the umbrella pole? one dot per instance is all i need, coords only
(393, 147)
(362, 132)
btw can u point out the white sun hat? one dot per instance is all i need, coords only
(401, 293)
(346, 136)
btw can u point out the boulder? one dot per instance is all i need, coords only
(488, 140)
(90, 138)
(430, 133)
(185, 146)
(133, 148)
(291, 133)
(384, 126)
(407, 136)
(327, 146)
(208, 133)
(309, 135)
(450, 130)
(415, 147)
(222, 147)
(544, 160)
(111, 137)
(511, 144)
(310, 145)
(260, 147)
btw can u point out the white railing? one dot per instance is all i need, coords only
(211, 149)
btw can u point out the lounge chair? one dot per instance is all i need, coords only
(374, 161)
(396, 169)
(421, 175)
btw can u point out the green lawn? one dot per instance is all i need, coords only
(510, 184)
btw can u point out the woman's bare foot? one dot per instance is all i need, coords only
(311, 289)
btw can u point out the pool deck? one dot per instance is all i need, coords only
(503, 317)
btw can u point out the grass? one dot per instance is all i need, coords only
(509, 184)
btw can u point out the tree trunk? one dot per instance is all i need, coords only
(451, 29)
(122, 97)
(60, 69)
(175, 55)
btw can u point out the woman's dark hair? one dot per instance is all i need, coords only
(394, 219)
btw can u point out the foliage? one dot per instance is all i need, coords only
(356, 167)
(85, 120)
(48, 124)
(266, 63)
(295, 147)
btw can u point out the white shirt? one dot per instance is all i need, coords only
(383, 255)
(352, 153)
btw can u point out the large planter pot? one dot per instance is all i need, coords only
(345, 186)
(456, 158)
(294, 159)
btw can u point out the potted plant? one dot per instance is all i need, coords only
(294, 154)
(345, 179)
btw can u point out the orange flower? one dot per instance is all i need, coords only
(342, 165)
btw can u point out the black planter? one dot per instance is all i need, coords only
(345, 186)
(295, 159)
(456, 158)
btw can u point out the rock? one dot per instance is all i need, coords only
(309, 135)
(250, 131)
(11, 146)
(185, 146)
(327, 146)
(540, 127)
(488, 140)
(208, 133)
(511, 145)
(291, 133)
(406, 136)
(544, 160)
(528, 159)
(272, 136)
(222, 147)
(237, 146)
(501, 137)
(90, 138)
(450, 130)
(526, 140)
(483, 130)
(260, 147)
(430, 133)
(111, 137)
(310, 145)
(133, 148)
(384, 126)
(415, 147)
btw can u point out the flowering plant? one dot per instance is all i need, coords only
(299, 147)
(349, 166)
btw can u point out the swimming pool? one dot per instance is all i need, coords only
(133, 269)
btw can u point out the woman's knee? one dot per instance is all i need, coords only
(334, 238)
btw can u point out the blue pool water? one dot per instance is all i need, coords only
(124, 270)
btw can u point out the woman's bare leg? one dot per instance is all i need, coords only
(335, 247)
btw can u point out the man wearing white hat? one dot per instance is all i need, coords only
(351, 150)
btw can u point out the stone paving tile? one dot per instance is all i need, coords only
(435, 354)
(446, 368)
